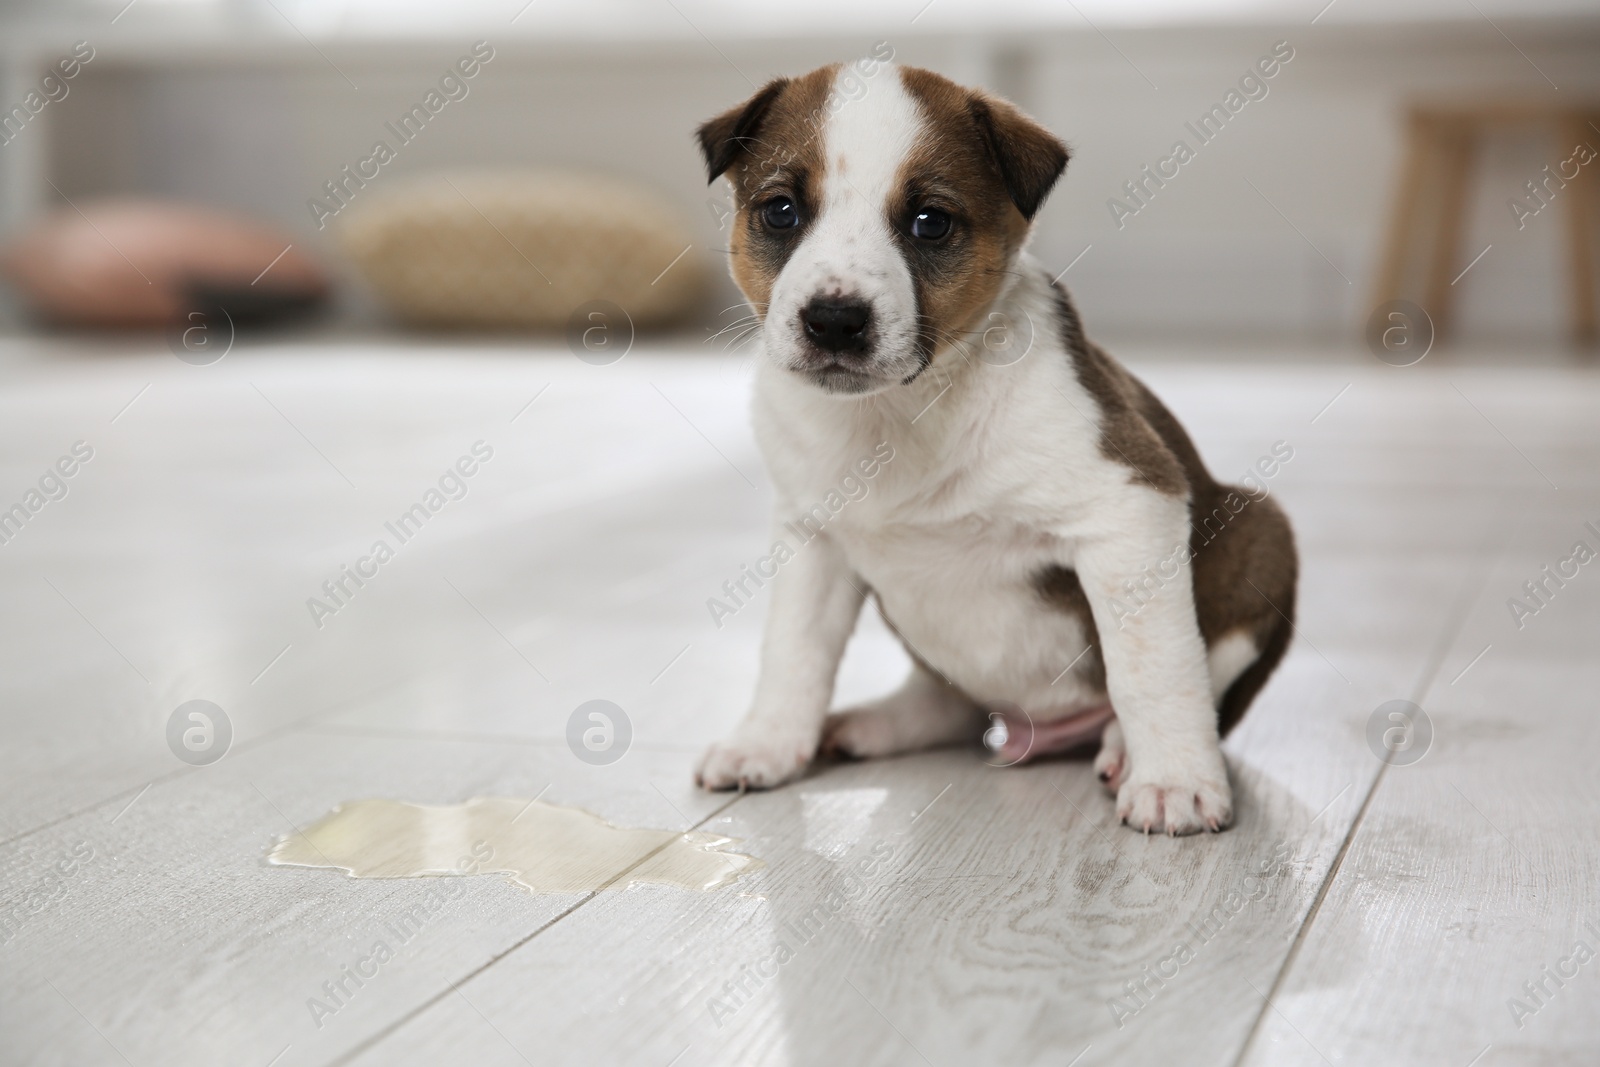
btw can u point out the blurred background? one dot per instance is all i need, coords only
(1276, 230)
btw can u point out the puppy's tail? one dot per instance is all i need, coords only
(1272, 567)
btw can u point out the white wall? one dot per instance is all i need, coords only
(1323, 147)
(1207, 254)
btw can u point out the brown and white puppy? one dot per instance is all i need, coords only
(1044, 537)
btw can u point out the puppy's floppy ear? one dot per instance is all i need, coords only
(732, 133)
(1029, 157)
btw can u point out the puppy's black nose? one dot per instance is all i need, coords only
(837, 325)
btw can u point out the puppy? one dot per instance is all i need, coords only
(1042, 536)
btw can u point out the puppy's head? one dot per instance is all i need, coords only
(878, 209)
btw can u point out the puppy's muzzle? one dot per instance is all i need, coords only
(838, 327)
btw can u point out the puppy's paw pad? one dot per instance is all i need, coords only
(1175, 809)
(859, 734)
(760, 764)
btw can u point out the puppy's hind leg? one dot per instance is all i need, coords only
(925, 712)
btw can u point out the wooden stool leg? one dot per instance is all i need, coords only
(1407, 219)
(1580, 230)
(1456, 157)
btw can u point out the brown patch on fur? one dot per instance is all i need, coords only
(1243, 562)
(1029, 157)
(769, 146)
(1015, 153)
(988, 166)
(735, 133)
(1135, 429)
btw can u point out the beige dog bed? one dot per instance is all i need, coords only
(522, 249)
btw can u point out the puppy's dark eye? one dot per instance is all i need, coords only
(780, 214)
(930, 224)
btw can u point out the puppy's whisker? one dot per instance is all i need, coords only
(735, 333)
(734, 327)
(740, 340)
(962, 344)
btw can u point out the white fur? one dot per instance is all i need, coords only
(997, 473)
(1228, 657)
(924, 712)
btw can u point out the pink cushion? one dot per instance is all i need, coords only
(139, 263)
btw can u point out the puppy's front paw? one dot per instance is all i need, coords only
(1175, 803)
(744, 762)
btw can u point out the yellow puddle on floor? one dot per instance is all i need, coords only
(546, 848)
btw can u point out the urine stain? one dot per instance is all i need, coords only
(546, 848)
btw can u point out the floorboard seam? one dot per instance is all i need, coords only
(93, 806)
(401, 734)
(1471, 589)
(390, 1028)
(305, 724)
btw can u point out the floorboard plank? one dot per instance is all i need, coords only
(172, 937)
(1476, 867)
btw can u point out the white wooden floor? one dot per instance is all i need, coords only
(1401, 912)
